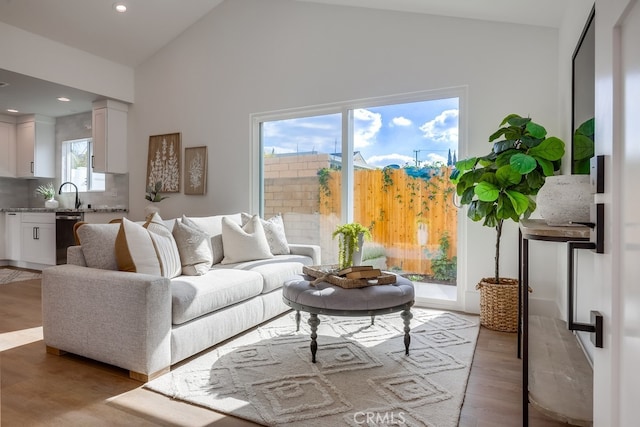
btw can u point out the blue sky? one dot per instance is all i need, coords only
(384, 135)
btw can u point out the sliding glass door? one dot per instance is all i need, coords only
(384, 163)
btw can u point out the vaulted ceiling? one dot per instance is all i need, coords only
(148, 25)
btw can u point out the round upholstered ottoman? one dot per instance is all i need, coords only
(324, 298)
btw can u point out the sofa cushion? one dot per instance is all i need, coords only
(274, 271)
(195, 296)
(194, 247)
(275, 274)
(98, 243)
(274, 232)
(148, 249)
(244, 243)
(212, 225)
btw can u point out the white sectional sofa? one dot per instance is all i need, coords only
(144, 320)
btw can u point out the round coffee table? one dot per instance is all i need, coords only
(332, 300)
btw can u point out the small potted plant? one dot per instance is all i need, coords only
(153, 195)
(352, 237)
(498, 187)
(49, 193)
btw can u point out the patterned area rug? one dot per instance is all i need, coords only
(8, 275)
(362, 376)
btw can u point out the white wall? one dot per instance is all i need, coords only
(32, 55)
(250, 56)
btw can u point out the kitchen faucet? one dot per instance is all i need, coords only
(74, 186)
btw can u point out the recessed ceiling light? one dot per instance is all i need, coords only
(12, 110)
(120, 7)
(63, 99)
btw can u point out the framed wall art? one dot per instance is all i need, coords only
(163, 162)
(195, 170)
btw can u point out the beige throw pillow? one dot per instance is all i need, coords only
(148, 249)
(246, 243)
(274, 232)
(194, 247)
(212, 225)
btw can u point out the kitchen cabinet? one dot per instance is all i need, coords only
(38, 241)
(7, 147)
(12, 243)
(35, 147)
(109, 130)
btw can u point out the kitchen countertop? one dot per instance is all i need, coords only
(98, 210)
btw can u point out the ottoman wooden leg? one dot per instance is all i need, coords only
(297, 320)
(406, 317)
(313, 322)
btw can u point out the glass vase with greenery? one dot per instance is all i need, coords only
(349, 243)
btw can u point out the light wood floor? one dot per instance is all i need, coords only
(40, 389)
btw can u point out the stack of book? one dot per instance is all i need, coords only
(359, 272)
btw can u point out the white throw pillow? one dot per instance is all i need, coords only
(194, 247)
(274, 231)
(148, 249)
(212, 225)
(246, 243)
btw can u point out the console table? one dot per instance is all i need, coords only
(532, 229)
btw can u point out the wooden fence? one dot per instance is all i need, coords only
(407, 214)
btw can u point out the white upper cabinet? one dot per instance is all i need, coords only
(109, 137)
(35, 147)
(7, 147)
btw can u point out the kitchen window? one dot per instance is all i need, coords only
(76, 166)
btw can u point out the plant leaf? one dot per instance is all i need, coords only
(486, 191)
(522, 163)
(519, 201)
(501, 146)
(516, 120)
(509, 117)
(507, 176)
(466, 164)
(547, 166)
(582, 147)
(536, 131)
(467, 196)
(551, 148)
(587, 128)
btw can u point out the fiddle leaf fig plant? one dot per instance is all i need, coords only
(499, 185)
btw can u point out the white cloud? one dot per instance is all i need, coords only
(401, 121)
(390, 159)
(433, 158)
(367, 124)
(444, 128)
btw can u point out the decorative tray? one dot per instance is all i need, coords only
(327, 273)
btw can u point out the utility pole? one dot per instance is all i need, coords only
(416, 154)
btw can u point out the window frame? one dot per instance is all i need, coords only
(64, 165)
(345, 108)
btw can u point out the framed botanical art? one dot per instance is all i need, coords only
(163, 162)
(195, 170)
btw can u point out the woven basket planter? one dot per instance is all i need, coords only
(499, 304)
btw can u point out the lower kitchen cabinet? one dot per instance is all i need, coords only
(12, 235)
(38, 231)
